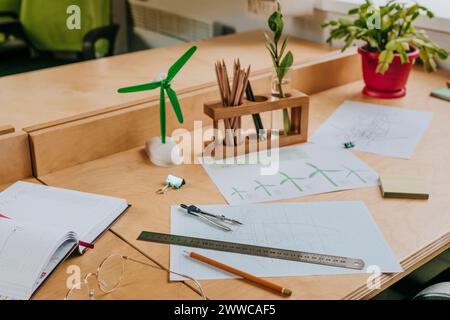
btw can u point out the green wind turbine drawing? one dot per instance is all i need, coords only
(322, 172)
(355, 173)
(260, 185)
(165, 87)
(288, 178)
(239, 193)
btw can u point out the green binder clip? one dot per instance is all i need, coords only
(349, 145)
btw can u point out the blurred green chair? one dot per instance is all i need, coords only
(9, 10)
(43, 25)
(9, 13)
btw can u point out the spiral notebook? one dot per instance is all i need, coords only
(41, 226)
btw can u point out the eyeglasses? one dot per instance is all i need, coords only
(109, 275)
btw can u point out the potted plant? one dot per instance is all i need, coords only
(391, 44)
(282, 63)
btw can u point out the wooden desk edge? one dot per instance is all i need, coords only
(409, 265)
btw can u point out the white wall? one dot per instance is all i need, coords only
(235, 13)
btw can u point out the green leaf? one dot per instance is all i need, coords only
(273, 24)
(382, 67)
(396, 35)
(344, 21)
(389, 56)
(283, 46)
(274, 59)
(278, 34)
(284, 66)
(287, 61)
(442, 54)
(270, 44)
(404, 57)
(432, 64)
(391, 45)
(268, 39)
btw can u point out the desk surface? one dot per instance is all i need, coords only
(140, 281)
(35, 98)
(415, 230)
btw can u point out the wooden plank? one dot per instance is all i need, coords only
(29, 179)
(97, 136)
(415, 230)
(217, 111)
(72, 143)
(15, 161)
(6, 129)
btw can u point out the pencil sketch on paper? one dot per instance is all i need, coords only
(7, 237)
(292, 180)
(318, 170)
(374, 128)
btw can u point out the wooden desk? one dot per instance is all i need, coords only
(140, 282)
(35, 99)
(416, 230)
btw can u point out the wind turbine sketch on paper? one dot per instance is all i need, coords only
(239, 193)
(260, 185)
(352, 172)
(290, 179)
(322, 172)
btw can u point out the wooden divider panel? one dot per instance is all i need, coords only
(15, 161)
(63, 145)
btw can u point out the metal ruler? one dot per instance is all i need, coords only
(307, 257)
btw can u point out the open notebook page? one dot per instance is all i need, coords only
(86, 214)
(26, 251)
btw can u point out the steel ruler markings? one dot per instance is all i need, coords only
(275, 253)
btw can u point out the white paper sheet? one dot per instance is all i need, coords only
(373, 128)
(24, 250)
(302, 170)
(343, 228)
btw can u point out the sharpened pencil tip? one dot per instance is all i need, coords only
(286, 292)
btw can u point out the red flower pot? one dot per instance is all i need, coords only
(392, 83)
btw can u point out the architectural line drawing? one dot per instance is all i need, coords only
(378, 129)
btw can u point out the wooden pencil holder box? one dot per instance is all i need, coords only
(297, 103)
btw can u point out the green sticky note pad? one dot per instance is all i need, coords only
(442, 93)
(403, 187)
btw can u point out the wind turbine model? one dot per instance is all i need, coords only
(164, 83)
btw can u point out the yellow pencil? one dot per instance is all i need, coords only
(284, 291)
